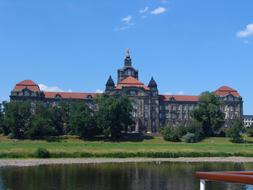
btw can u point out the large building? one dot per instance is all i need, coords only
(151, 109)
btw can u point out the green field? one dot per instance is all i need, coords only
(149, 147)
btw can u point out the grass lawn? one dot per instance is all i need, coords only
(149, 147)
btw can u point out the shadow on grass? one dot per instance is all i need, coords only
(54, 139)
(130, 137)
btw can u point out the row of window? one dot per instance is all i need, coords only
(231, 108)
(179, 107)
(248, 119)
(25, 93)
(248, 124)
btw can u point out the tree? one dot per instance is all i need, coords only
(40, 123)
(234, 130)
(40, 128)
(114, 115)
(82, 121)
(1, 120)
(126, 112)
(57, 119)
(209, 114)
(17, 118)
(66, 110)
(195, 127)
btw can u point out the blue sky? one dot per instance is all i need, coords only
(188, 46)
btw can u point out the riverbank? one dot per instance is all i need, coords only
(148, 147)
(39, 162)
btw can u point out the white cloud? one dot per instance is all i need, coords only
(122, 28)
(99, 91)
(167, 93)
(127, 20)
(159, 11)
(44, 87)
(247, 32)
(178, 93)
(142, 11)
(126, 24)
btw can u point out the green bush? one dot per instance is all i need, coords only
(190, 138)
(249, 131)
(171, 134)
(42, 153)
(234, 131)
(180, 130)
(196, 128)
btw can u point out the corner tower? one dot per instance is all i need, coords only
(128, 69)
(109, 84)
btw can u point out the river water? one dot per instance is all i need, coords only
(134, 176)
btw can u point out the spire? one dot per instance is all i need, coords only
(110, 82)
(127, 52)
(128, 61)
(152, 83)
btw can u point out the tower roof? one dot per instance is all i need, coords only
(225, 90)
(152, 83)
(29, 84)
(110, 82)
(128, 60)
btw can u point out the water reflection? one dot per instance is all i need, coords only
(134, 176)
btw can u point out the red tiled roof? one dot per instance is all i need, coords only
(69, 95)
(225, 90)
(29, 84)
(131, 81)
(180, 98)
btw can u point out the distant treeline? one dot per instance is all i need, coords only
(29, 120)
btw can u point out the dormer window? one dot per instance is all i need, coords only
(172, 99)
(89, 97)
(230, 97)
(58, 96)
(26, 92)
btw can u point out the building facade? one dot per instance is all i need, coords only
(151, 109)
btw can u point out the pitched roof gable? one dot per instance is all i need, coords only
(131, 82)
